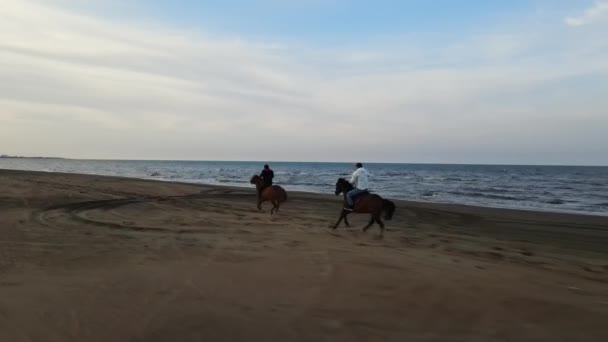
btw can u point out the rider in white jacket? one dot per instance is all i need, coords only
(360, 180)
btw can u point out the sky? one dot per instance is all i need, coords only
(497, 82)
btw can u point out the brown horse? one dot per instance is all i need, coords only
(274, 194)
(366, 203)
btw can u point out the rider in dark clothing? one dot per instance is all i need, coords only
(267, 175)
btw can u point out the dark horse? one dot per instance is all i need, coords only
(365, 203)
(274, 193)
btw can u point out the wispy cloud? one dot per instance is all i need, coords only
(83, 86)
(598, 11)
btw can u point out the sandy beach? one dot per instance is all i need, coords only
(91, 258)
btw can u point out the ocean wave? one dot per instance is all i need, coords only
(235, 181)
(309, 184)
(490, 189)
(396, 174)
(488, 196)
(563, 187)
(453, 179)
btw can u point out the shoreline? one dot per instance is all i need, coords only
(446, 205)
(540, 221)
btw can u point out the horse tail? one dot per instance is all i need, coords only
(389, 209)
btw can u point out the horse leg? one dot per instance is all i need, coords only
(260, 201)
(379, 220)
(346, 218)
(371, 221)
(274, 208)
(342, 217)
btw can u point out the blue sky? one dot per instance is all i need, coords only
(398, 81)
(334, 19)
(317, 21)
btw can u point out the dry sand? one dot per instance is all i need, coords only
(88, 258)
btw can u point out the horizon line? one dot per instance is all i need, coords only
(303, 161)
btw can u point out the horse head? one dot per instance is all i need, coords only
(342, 186)
(255, 179)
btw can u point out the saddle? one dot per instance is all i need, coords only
(359, 195)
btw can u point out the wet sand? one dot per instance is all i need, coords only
(90, 258)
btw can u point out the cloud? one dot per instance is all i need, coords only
(592, 14)
(89, 87)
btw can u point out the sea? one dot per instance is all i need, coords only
(575, 189)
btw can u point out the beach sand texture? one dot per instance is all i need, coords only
(90, 258)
